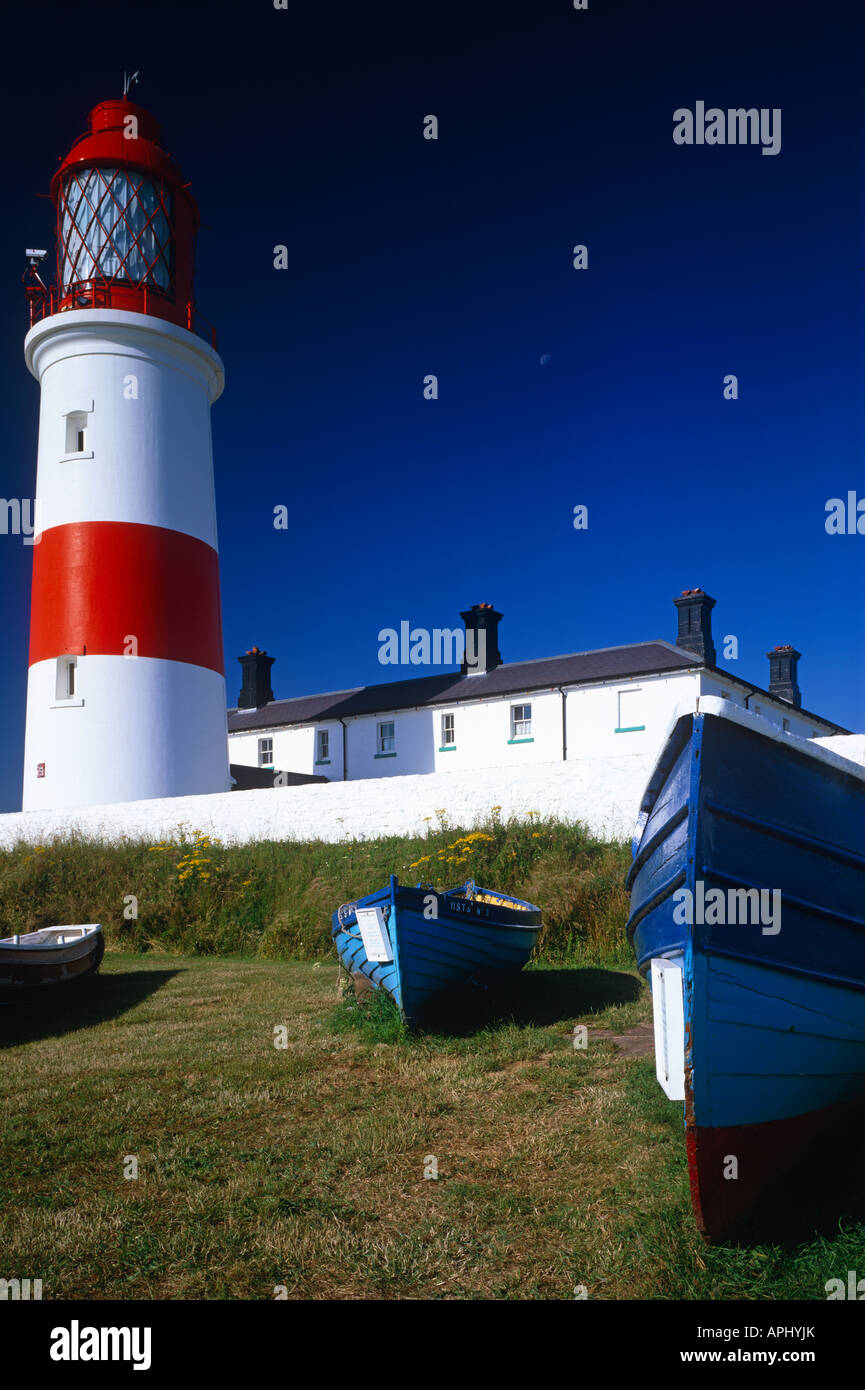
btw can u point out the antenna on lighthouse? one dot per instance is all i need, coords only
(129, 83)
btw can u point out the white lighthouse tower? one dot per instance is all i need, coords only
(126, 688)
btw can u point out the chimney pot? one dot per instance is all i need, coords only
(482, 639)
(784, 675)
(695, 625)
(256, 688)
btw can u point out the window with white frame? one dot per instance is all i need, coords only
(265, 752)
(76, 431)
(385, 737)
(448, 738)
(521, 721)
(322, 746)
(66, 680)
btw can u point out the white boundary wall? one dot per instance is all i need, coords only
(604, 793)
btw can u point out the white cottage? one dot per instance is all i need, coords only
(613, 702)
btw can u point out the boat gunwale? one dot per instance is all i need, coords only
(28, 942)
(516, 919)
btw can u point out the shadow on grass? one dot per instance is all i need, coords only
(53, 1010)
(539, 998)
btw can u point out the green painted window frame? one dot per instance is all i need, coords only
(448, 748)
(322, 762)
(521, 740)
(384, 755)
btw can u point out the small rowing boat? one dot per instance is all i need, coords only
(418, 943)
(51, 956)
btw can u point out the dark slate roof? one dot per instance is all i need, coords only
(449, 687)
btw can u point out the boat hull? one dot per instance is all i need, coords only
(37, 960)
(767, 835)
(438, 942)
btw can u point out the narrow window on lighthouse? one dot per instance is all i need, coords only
(66, 678)
(76, 432)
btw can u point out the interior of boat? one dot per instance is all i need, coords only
(49, 936)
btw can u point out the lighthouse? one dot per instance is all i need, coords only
(126, 684)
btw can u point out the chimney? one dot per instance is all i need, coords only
(256, 690)
(482, 639)
(695, 625)
(783, 676)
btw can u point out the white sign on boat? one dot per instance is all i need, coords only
(370, 920)
(668, 1008)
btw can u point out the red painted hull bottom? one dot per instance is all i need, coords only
(786, 1170)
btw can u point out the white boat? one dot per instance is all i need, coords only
(51, 956)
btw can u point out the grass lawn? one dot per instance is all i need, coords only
(303, 1166)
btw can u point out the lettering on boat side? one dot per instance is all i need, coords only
(735, 907)
(463, 906)
(430, 907)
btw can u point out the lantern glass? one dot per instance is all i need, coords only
(115, 224)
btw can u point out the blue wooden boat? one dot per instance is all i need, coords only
(417, 943)
(759, 998)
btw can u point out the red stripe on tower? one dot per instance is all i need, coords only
(98, 583)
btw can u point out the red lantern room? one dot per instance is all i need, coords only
(126, 222)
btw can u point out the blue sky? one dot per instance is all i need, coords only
(453, 257)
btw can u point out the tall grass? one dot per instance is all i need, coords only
(274, 899)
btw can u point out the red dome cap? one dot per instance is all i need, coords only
(126, 221)
(108, 142)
